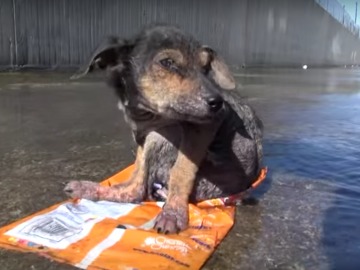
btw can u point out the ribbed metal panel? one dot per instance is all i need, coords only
(7, 39)
(62, 33)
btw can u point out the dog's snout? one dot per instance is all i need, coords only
(215, 103)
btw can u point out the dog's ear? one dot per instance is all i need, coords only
(111, 52)
(216, 68)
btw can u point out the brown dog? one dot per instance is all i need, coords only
(195, 138)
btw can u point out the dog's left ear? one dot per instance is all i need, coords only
(216, 68)
(110, 53)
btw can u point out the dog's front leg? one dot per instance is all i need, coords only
(131, 191)
(194, 143)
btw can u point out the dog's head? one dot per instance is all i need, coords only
(165, 71)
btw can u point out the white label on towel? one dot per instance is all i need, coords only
(68, 223)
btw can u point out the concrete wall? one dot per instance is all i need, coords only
(62, 33)
(285, 32)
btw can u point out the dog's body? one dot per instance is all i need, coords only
(232, 161)
(195, 137)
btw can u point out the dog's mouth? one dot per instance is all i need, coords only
(184, 110)
(196, 118)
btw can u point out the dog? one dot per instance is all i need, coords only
(196, 137)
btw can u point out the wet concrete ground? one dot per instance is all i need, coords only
(53, 130)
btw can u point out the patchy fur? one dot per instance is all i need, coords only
(196, 138)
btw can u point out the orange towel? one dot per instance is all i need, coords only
(107, 235)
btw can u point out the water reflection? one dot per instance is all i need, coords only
(313, 125)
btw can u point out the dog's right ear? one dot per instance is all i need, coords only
(111, 52)
(216, 68)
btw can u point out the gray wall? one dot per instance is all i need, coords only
(62, 33)
(285, 32)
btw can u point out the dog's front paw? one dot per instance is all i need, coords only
(82, 190)
(172, 219)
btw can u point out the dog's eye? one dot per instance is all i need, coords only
(168, 63)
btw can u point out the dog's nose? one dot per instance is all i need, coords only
(215, 103)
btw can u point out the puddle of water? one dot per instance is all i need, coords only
(308, 216)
